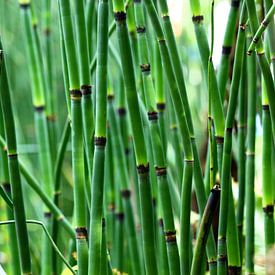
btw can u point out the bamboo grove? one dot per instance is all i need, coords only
(125, 149)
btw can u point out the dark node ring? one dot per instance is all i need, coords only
(81, 232)
(161, 106)
(110, 97)
(235, 3)
(229, 130)
(265, 107)
(126, 193)
(100, 141)
(120, 16)
(75, 94)
(141, 29)
(222, 258)
(120, 216)
(197, 18)
(12, 155)
(269, 209)
(121, 111)
(127, 151)
(161, 40)
(86, 89)
(7, 187)
(255, 40)
(25, 5)
(103, 222)
(161, 222)
(226, 50)
(47, 215)
(165, 16)
(152, 116)
(143, 169)
(170, 236)
(40, 108)
(137, 1)
(145, 67)
(234, 270)
(265, 23)
(161, 171)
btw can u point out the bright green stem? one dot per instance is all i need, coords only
(205, 226)
(95, 236)
(15, 180)
(138, 139)
(228, 41)
(250, 165)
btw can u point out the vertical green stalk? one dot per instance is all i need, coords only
(250, 165)
(77, 137)
(227, 148)
(96, 215)
(42, 135)
(138, 139)
(268, 206)
(5, 184)
(17, 195)
(158, 151)
(228, 41)
(241, 155)
(124, 188)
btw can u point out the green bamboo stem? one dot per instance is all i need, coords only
(261, 29)
(250, 165)
(38, 90)
(178, 105)
(241, 155)
(18, 201)
(6, 188)
(264, 65)
(158, 150)
(268, 207)
(125, 191)
(227, 148)
(270, 31)
(228, 41)
(95, 236)
(205, 226)
(138, 139)
(77, 137)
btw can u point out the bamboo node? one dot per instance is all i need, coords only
(161, 171)
(103, 221)
(152, 115)
(100, 141)
(126, 193)
(75, 94)
(121, 111)
(47, 215)
(161, 106)
(234, 270)
(111, 206)
(120, 216)
(265, 23)
(170, 236)
(51, 117)
(222, 258)
(39, 108)
(143, 169)
(165, 16)
(235, 3)
(265, 107)
(24, 4)
(110, 97)
(197, 18)
(145, 67)
(12, 155)
(219, 140)
(141, 29)
(161, 222)
(86, 89)
(269, 209)
(226, 50)
(81, 233)
(120, 16)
